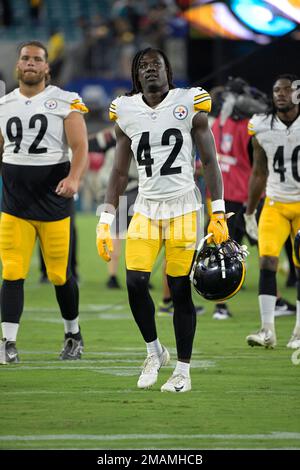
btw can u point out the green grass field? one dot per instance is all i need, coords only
(241, 398)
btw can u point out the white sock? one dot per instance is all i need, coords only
(154, 347)
(267, 311)
(297, 326)
(10, 330)
(182, 368)
(71, 326)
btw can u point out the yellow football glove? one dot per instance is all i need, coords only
(218, 227)
(104, 241)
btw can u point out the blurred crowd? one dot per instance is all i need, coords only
(105, 40)
(109, 43)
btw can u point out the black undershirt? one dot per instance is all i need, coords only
(28, 191)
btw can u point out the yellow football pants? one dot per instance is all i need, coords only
(146, 237)
(277, 221)
(17, 239)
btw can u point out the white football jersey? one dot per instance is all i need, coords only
(282, 147)
(161, 139)
(33, 128)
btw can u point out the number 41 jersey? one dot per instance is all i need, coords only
(161, 139)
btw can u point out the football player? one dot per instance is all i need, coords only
(38, 122)
(276, 167)
(157, 124)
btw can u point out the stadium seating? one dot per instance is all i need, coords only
(55, 14)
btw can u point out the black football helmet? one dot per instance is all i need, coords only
(218, 271)
(297, 246)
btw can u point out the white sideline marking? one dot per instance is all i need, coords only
(113, 316)
(64, 368)
(141, 353)
(195, 364)
(124, 437)
(107, 391)
(90, 353)
(68, 392)
(94, 362)
(128, 348)
(114, 351)
(101, 316)
(83, 308)
(119, 371)
(96, 307)
(137, 353)
(47, 320)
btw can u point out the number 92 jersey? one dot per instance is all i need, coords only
(161, 139)
(35, 156)
(282, 147)
(33, 128)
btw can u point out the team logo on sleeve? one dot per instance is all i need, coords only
(180, 112)
(50, 104)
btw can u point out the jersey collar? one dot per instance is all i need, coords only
(161, 104)
(34, 97)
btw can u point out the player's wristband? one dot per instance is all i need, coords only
(218, 205)
(106, 218)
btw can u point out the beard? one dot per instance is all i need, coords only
(33, 79)
(286, 108)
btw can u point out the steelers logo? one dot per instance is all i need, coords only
(180, 112)
(50, 104)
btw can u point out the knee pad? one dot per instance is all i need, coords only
(137, 280)
(12, 269)
(57, 257)
(56, 278)
(180, 288)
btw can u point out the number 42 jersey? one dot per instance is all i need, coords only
(161, 139)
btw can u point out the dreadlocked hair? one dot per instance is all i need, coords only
(136, 86)
(272, 110)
